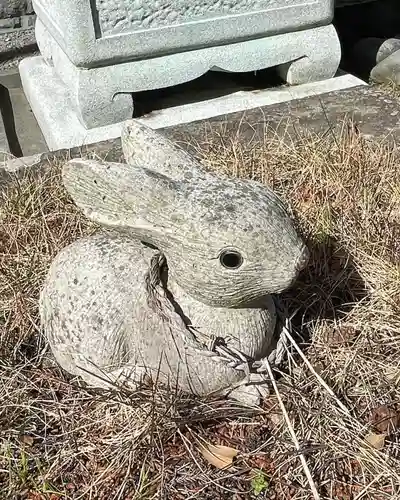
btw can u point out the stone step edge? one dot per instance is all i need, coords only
(17, 23)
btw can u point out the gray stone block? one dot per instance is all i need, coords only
(10, 23)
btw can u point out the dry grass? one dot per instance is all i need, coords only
(60, 440)
(390, 88)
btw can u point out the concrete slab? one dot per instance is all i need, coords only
(28, 132)
(10, 79)
(62, 128)
(374, 111)
(20, 133)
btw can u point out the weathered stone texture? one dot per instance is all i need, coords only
(127, 15)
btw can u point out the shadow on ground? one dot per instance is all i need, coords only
(327, 290)
(211, 85)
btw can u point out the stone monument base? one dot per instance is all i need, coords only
(103, 95)
(60, 124)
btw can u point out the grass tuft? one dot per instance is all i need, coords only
(59, 439)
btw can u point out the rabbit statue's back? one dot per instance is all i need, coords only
(188, 257)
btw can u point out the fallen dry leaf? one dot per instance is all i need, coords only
(393, 375)
(377, 441)
(32, 495)
(384, 419)
(263, 462)
(218, 455)
(26, 439)
(276, 419)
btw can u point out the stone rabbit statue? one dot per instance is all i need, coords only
(187, 262)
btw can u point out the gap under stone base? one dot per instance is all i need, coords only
(61, 128)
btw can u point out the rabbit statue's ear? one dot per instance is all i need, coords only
(121, 196)
(144, 146)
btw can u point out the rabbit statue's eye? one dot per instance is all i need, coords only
(231, 259)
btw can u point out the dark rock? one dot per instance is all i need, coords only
(376, 19)
(368, 52)
(388, 70)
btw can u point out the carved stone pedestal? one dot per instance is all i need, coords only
(103, 52)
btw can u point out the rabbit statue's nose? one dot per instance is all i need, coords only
(303, 259)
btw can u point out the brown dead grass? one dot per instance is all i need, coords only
(391, 88)
(60, 440)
